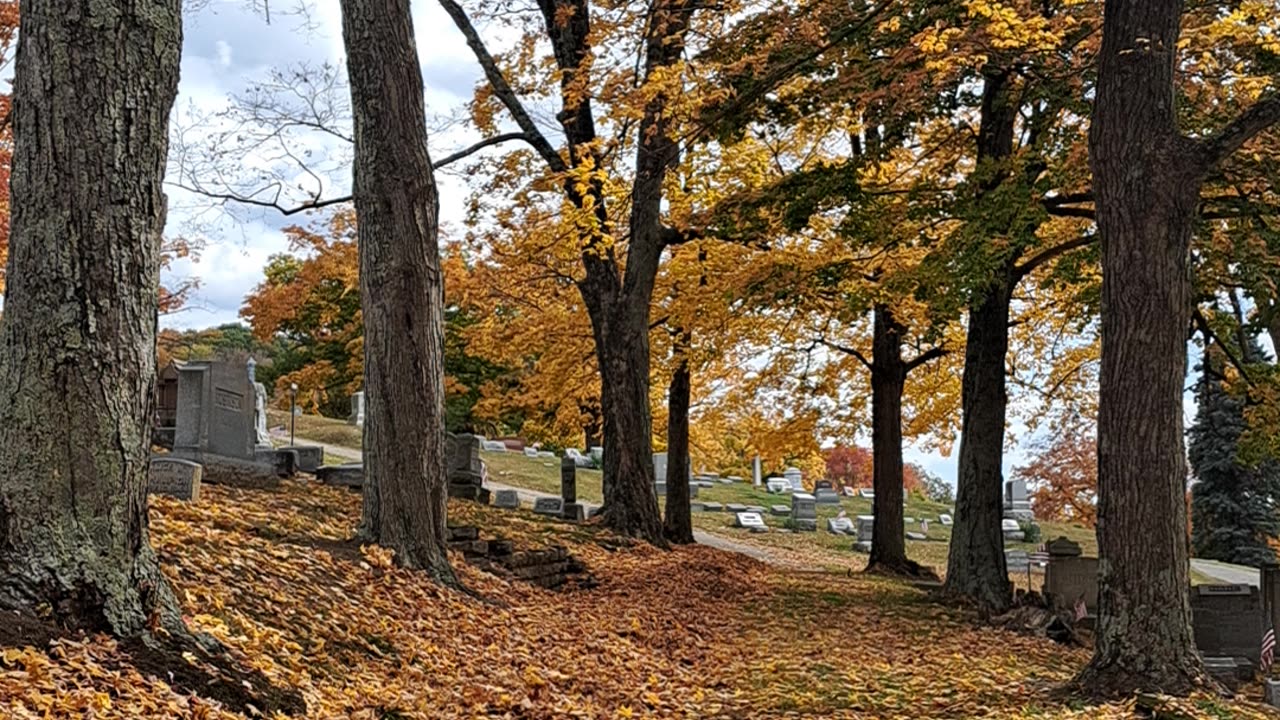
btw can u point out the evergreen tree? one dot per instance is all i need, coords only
(1233, 514)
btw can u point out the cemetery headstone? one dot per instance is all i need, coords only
(576, 512)
(596, 454)
(804, 512)
(840, 526)
(916, 536)
(794, 477)
(531, 452)
(568, 480)
(735, 507)
(549, 506)
(780, 510)
(1011, 530)
(826, 496)
(357, 409)
(174, 477)
(757, 509)
(777, 485)
(310, 457)
(1017, 560)
(823, 485)
(215, 425)
(1017, 503)
(347, 475)
(660, 467)
(757, 476)
(660, 487)
(494, 446)
(751, 521)
(712, 506)
(866, 526)
(867, 493)
(1063, 547)
(945, 520)
(848, 492)
(506, 499)
(463, 468)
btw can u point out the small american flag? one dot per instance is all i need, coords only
(1268, 649)
(1081, 610)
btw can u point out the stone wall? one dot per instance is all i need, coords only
(551, 567)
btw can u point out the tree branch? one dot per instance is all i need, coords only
(852, 352)
(1202, 322)
(487, 142)
(1035, 261)
(927, 356)
(502, 89)
(1264, 113)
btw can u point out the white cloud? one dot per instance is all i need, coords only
(224, 53)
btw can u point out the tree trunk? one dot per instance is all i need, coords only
(621, 311)
(401, 289)
(976, 565)
(93, 88)
(678, 523)
(888, 376)
(630, 501)
(1146, 186)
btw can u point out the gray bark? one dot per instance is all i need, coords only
(401, 289)
(93, 88)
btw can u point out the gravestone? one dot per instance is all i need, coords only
(867, 493)
(531, 452)
(712, 506)
(848, 492)
(215, 425)
(1228, 621)
(261, 439)
(1017, 503)
(1063, 547)
(777, 485)
(866, 526)
(804, 512)
(1068, 579)
(1011, 530)
(750, 521)
(757, 477)
(596, 453)
(735, 507)
(780, 510)
(826, 496)
(347, 475)
(493, 446)
(166, 414)
(794, 477)
(549, 506)
(823, 485)
(310, 457)
(506, 499)
(573, 510)
(733, 479)
(660, 467)
(917, 536)
(840, 526)
(546, 454)
(660, 487)
(945, 520)
(464, 470)
(356, 417)
(174, 477)
(513, 444)
(1017, 560)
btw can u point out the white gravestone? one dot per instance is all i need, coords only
(751, 521)
(174, 477)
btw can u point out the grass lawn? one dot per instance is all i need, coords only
(318, 428)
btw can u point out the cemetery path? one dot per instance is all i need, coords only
(1226, 573)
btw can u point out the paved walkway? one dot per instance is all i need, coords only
(1225, 573)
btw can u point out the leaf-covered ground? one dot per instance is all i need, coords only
(694, 633)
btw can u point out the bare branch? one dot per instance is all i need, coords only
(852, 352)
(927, 356)
(502, 89)
(487, 142)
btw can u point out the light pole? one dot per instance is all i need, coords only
(293, 412)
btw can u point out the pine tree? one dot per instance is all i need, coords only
(1232, 504)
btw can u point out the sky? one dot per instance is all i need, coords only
(227, 47)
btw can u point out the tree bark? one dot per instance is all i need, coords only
(678, 523)
(401, 289)
(1146, 184)
(93, 88)
(975, 564)
(888, 377)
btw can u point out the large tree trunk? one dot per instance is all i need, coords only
(888, 376)
(93, 89)
(401, 289)
(630, 501)
(678, 523)
(621, 317)
(976, 565)
(1146, 187)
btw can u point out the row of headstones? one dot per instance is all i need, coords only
(181, 478)
(566, 506)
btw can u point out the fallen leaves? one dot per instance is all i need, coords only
(694, 633)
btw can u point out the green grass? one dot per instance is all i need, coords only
(543, 475)
(320, 429)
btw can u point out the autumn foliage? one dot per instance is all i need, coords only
(1063, 475)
